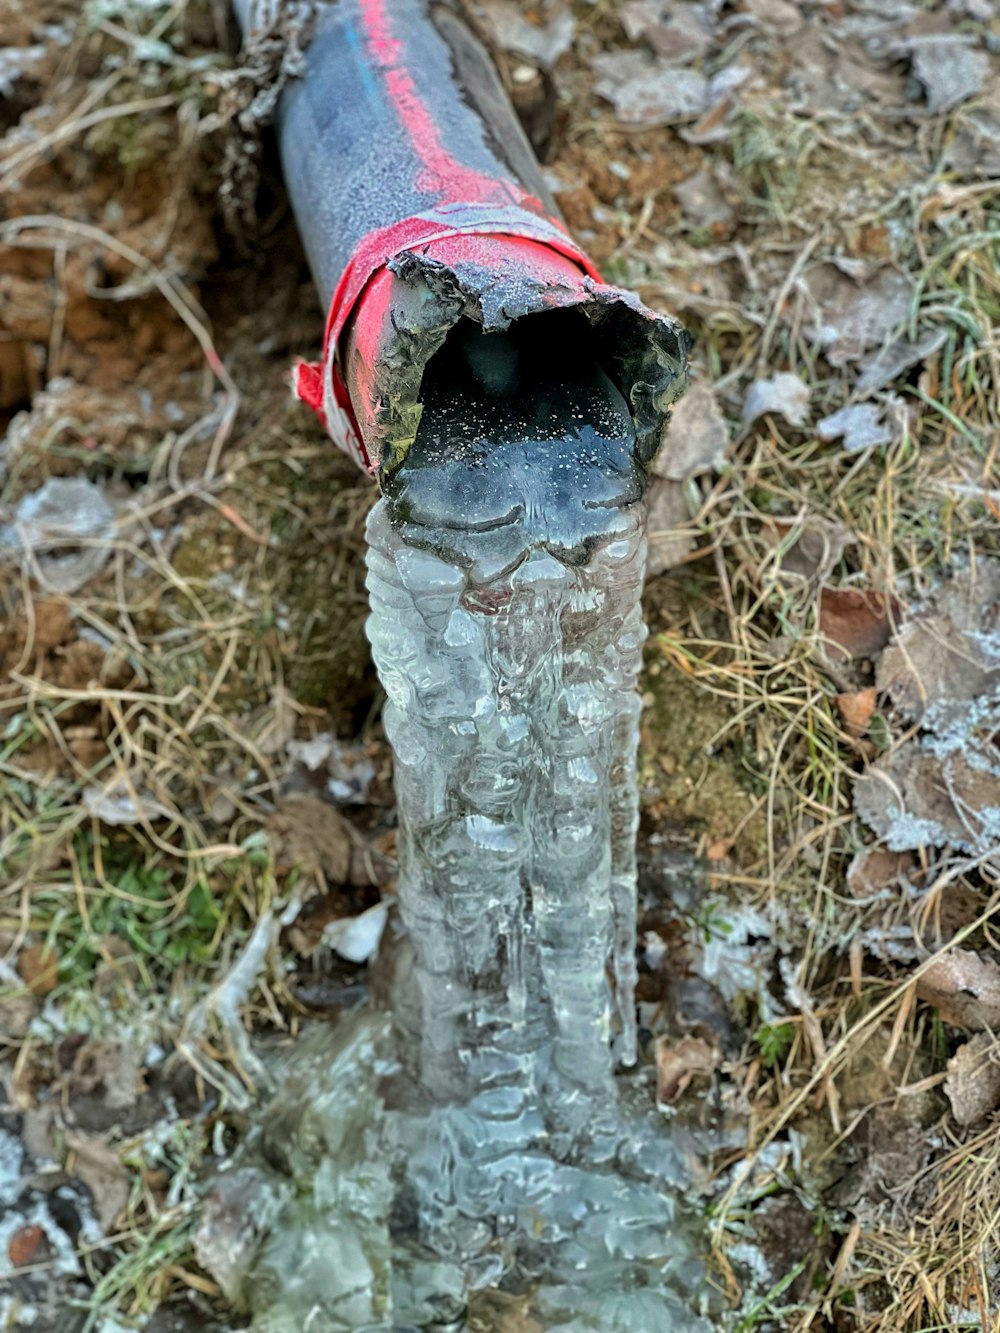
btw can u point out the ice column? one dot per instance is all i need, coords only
(512, 713)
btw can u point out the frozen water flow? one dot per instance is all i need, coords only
(505, 572)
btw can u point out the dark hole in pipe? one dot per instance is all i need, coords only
(521, 428)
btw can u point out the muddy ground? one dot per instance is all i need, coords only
(189, 733)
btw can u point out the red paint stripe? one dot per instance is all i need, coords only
(442, 174)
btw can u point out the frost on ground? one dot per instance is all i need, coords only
(817, 197)
(941, 787)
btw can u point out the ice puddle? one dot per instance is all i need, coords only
(473, 1137)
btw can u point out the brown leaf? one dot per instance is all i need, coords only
(678, 1063)
(100, 1169)
(878, 869)
(933, 663)
(809, 549)
(849, 317)
(855, 623)
(313, 835)
(973, 1083)
(856, 709)
(913, 799)
(719, 849)
(668, 526)
(39, 968)
(110, 1070)
(965, 990)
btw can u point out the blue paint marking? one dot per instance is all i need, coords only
(372, 86)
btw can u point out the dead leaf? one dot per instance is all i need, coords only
(324, 764)
(849, 316)
(703, 205)
(696, 438)
(713, 126)
(915, 797)
(123, 802)
(973, 1082)
(678, 1063)
(975, 147)
(314, 836)
(648, 91)
(898, 357)
(112, 1069)
(100, 1169)
(543, 41)
(861, 426)
(279, 721)
(16, 1014)
(856, 710)
(942, 786)
(964, 987)
(668, 526)
(777, 16)
(64, 530)
(876, 869)
(677, 33)
(933, 666)
(855, 623)
(785, 395)
(39, 968)
(808, 549)
(950, 68)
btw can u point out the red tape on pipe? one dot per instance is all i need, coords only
(536, 242)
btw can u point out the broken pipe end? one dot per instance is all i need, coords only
(388, 318)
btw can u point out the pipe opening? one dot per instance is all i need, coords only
(524, 442)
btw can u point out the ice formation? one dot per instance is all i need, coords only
(505, 571)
